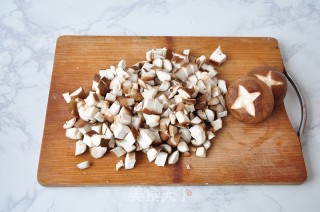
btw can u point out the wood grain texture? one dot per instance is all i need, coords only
(264, 153)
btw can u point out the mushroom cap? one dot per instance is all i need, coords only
(279, 85)
(263, 104)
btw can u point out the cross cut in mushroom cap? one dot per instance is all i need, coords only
(268, 79)
(245, 100)
(249, 100)
(274, 79)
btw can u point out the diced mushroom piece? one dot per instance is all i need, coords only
(152, 120)
(118, 151)
(201, 60)
(80, 148)
(222, 86)
(96, 139)
(166, 148)
(97, 127)
(79, 93)
(183, 146)
(217, 124)
(185, 134)
(196, 120)
(145, 138)
(156, 53)
(114, 108)
(163, 76)
(202, 114)
(174, 140)
(130, 160)
(172, 118)
(182, 118)
(125, 116)
(182, 74)
(161, 159)
(66, 97)
(69, 123)
(83, 165)
(90, 112)
(119, 130)
(72, 108)
(222, 114)
(173, 91)
(157, 62)
(222, 102)
(152, 154)
(209, 114)
(111, 143)
(87, 139)
(149, 93)
(122, 64)
(73, 133)
(216, 92)
(201, 152)
(119, 165)
(99, 117)
(165, 85)
(186, 52)
(98, 152)
(213, 101)
(172, 130)
(207, 144)
(210, 135)
(147, 75)
(122, 74)
(217, 57)
(174, 157)
(152, 106)
(131, 138)
(136, 122)
(110, 97)
(103, 104)
(199, 135)
(123, 101)
(167, 65)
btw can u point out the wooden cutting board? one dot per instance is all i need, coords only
(264, 153)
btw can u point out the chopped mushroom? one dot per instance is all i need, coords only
(161, 158)
(174, 157)
(73, 133)
(152, 154)
(118, 151)
(201, 152)
(83, 165)
(67, 97)
(130, 160)
(218, 57)
(69, 123)
(199, 135)
(119, 165)
(98, 152)
(80, 148)
(162, 107)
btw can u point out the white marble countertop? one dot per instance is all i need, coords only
(28, 32)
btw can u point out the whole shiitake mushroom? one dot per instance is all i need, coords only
(274, 79)
(249, 100)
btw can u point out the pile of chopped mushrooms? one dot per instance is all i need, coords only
(164, 108)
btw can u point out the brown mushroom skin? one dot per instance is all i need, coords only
(263, 104)
(279, 91)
